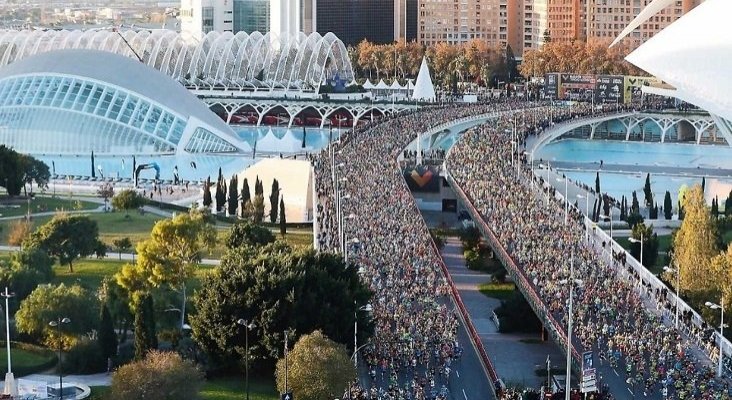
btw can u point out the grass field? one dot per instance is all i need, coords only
(664, 243)
(501, 291)
(44, 204)
(27, 360)
(218, 389)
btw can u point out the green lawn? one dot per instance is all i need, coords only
(43, 204)
(98, 392)
(28, 360)
(664, 243)
(88, 272)
(500, 291)
(233, 388)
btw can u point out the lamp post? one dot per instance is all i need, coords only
(10, 387)
(248, 325)
(366, 308)
(721, 332)
(352, 241)
(566, 200)
(57, 324)
(609, 217)
(678, 281)
(634, 240)
(572, 282)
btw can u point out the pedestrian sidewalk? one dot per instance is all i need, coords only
(515, 356)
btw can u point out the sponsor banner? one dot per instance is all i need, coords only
(610, 89)
(577, 81)
(633, 84)
(423, 179)
(551, 86)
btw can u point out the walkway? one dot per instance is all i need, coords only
(643, 169)
(515, 361)
(114, 256)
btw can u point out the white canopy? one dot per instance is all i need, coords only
(424, 89)
(396, 86)
(694, 55)
(381, 85)
(368, 85)
(410, 84)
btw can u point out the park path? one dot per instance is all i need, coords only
(515, 356)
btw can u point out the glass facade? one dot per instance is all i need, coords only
(59, 114)
(251, 16)
(207, 23)
(355, 20)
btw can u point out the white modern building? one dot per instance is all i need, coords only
(289, 17)
(78, 101)
(694, 55)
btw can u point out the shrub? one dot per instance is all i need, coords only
(85, 357)
(160, 376)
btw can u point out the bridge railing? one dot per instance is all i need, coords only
(517, 274)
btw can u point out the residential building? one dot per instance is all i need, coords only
(355, 20)
(199, 17)
(460, 21)
(251, 16)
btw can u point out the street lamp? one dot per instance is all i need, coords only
(572, 282)
(634, 240)
(57, 324)
(248, 325)
(721, 333)
(368, 308)
(678, 282)
(10, 387)
(566, 200)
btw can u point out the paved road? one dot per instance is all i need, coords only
(515, 356)
(644, 169)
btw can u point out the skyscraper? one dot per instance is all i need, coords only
(199, 17)
(251, 15)
(355, 20)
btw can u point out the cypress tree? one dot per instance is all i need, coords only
(245, 197)
(594, 210)
(622, 208)
(233, 195)
(144, 334)
(728, 204)
(647, 191)
(274, 196)
(606, 205)
(704, 184)
(283, 217)
(106, 338)
(715, 207)
(667, 207)
(207, 193)
(220, 195)
(597, 183)
(635, 207)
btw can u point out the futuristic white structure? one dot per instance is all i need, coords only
(694, 55)
(79, 101)
(251, 62)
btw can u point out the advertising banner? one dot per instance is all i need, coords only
(633, 85)
(610, 89)
(423, 179)
(551, 86)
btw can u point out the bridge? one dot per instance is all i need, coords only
(289, 111)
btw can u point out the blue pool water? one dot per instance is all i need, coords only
(638, 153)
(270, 142)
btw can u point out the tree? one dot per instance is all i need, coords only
(106, 192)
(645, 233)
(18, 169)
(169, 256)
(597, 183)
(695, 244)
(283, 218)
(20, 230)
(258, 187)
(220, 195)
(122, 245)
(106, 337)
(258, 205)
(318, 368)
(647, 191)
(274, 198)
(248, 234)
(233, 195)
(161, 375)
(667, 207)
(66, 237)
(245, 198)
(635, 206)
(715, 208)
(25, 270)
(704, 184)
(606, 204)
(145, 332)
(277, 288)
(623, 216)
(207, 193)
(634, 219)
(47, 303)
(127, 200)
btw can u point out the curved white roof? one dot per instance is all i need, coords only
(252, 61)
(120, 71)
(694, 54)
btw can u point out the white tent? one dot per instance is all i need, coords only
(381, 85)
(368, 85)
(424, 89)
(410, 85)
(396, 86)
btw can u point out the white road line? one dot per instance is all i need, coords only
(631, 392)
(457, 373)
(465, 395)
(616, 373)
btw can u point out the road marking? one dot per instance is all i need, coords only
(465, 395)
(631, 392)
(457, 373)
(616, 373)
